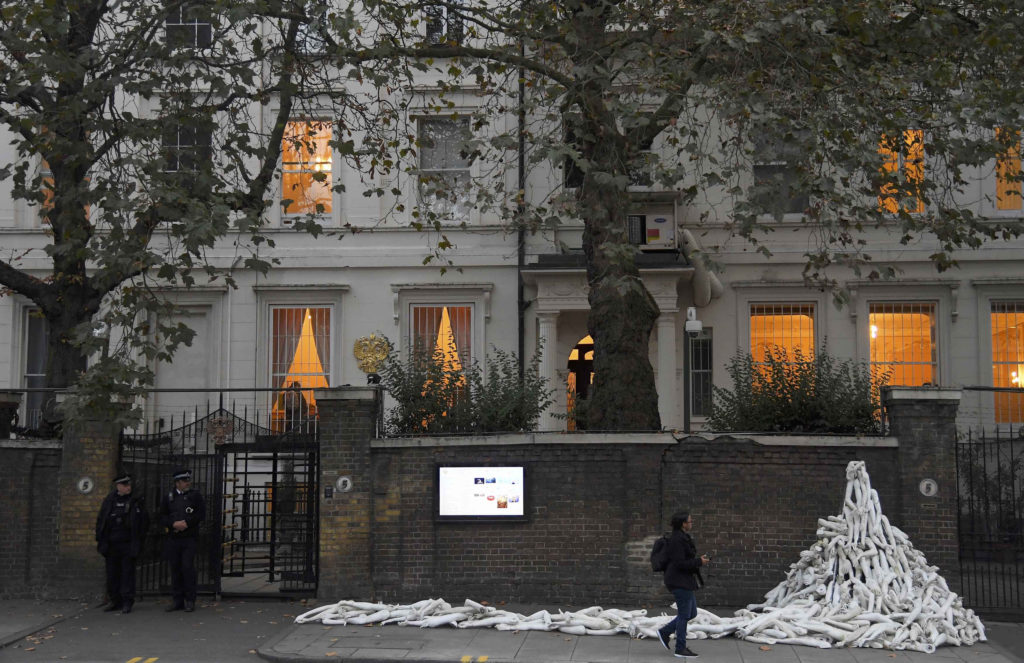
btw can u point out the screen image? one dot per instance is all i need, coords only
(480, 492)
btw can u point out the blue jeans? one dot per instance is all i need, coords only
(686, 604)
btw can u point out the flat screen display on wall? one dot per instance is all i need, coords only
(481, 492)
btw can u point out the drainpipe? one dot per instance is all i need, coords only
(521, 210)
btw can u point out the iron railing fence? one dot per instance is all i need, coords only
(990, 499)
(258, 472)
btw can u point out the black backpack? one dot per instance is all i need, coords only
(659, 554)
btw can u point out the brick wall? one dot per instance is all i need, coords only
(90, 451)
(595, 504)
(756, 507)
(594, 511)
(28, 548)
(924, 419)
(346, 425)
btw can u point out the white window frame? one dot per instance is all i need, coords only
(784, 302)
(763, 157)
(470, 170)
(445, 18)
(476, 295)
(909, 303)
(271, 296)
(988, 177)
(988, 291)
(944, 294)
(307, 40)
(706, 334)
(22, 309)
(277, 215)
(901, 168)
(177, 146)
(193, 23)
(765, 293)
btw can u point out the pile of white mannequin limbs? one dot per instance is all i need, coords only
(862, 584)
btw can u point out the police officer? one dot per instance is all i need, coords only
(181, 511)
(121, 528)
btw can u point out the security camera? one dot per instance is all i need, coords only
(693, 326)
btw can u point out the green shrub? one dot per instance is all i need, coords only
(790, 392)
(430, 400)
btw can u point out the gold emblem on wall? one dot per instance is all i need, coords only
(371, 351)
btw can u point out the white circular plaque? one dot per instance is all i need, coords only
(85, 485)
(928, 487)
(343, 484)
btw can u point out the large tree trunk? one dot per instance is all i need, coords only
(622, 312)
(64, 360)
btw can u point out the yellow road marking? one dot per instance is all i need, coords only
(138, 659)
(481, 659)
(465, 659)
(151, 660)
(135, 660)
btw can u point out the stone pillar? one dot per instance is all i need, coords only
(668, 395)
(924, 421)
(347, 424)
(10, 401)
(548, 335)
(87, 468)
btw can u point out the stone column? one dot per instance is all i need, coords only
(548, 335)
(668, 393)
(347, 424)
(924, 421)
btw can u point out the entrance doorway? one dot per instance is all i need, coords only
(581, 376)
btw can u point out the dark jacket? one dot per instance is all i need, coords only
(138, 523)
(188, 506)
(683, 571)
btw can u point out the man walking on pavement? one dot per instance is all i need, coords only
(121, 528)
(681, 578)
(181, 511)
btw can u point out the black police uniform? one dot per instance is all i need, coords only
(121, 528)
(180, 547)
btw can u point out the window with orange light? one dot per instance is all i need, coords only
(306, 162)
(1007, 320)
(46, 178)
(902, 156)
(448, 329)
(1008, 173)
(786, 328)
(300, 360)
(902, 342)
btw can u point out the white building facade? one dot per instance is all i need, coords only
(300, 321)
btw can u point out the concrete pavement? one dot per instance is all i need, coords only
(302, 643)
(23, 617)
(274, 639)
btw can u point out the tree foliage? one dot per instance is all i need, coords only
(144, 133)
(688, 91)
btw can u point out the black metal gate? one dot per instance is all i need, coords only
(991, 520)
(261, 533)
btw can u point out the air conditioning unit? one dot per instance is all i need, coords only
(653, 229)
